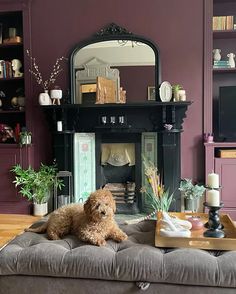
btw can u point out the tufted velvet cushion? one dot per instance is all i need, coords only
(133, 260)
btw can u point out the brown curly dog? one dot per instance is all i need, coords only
(92, 222)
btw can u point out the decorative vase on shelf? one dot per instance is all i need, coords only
(217, 55)
(231, 57)
(44, 98)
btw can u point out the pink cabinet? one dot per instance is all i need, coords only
(10, 200)
(226, 168)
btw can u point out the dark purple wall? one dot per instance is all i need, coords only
(177, 28)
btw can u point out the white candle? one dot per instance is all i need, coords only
(59, 126)
(213, 197)
(213, 180)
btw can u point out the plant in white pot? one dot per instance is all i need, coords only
(191, 193)
(36, 185)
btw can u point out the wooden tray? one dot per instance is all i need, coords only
(197, 240)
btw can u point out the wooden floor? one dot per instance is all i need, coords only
(12, 225)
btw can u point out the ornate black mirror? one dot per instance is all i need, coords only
(114, 66)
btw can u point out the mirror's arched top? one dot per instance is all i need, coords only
(117, 47)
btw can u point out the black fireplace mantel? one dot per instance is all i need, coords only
(164, 118)
(138, 117)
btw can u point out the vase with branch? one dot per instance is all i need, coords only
(44, 98)
(159, 198)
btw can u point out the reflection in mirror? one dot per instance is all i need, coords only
(114, 71)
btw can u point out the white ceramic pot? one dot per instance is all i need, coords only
(40, 209)
(56, 94)
(44, 98)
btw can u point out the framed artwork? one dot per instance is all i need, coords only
(151, 93)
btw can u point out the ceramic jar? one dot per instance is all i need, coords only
(44, 98)
(56, 95)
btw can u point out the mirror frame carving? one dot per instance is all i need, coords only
(110, 33)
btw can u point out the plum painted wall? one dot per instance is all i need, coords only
(175, 25)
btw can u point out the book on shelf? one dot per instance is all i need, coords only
(221, 23)
(221, 64)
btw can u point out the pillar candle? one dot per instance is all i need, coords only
(213, 180)
(213, 197)
(59, 126)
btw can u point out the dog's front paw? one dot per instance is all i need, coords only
(119, 236)
(122, 237)
(101, 242)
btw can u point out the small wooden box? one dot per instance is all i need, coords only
(227, 153)
(197, 240)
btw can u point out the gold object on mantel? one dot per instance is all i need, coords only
(197, 240)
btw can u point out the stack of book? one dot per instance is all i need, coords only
(223, 22)
(221, 64)
(5, 69)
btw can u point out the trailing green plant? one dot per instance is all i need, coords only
(159, 198)
(190, 190)
(36, 185)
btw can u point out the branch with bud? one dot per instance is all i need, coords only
(38, 76)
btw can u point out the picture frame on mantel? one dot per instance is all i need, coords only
(151, 93)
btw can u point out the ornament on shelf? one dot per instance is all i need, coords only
(217, 55)
(56, 95)
(231, 57)
(16, 66)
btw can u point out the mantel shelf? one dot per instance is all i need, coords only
(118, 105)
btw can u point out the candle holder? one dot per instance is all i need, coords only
(213, 225)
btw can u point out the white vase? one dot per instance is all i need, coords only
(44, 98)
(217, 55)
(231, 57)
(40, 209)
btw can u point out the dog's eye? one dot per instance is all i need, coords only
(97, 206)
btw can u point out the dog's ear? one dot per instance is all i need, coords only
(87, 207)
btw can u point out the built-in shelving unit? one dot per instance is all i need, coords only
(14, 112)
(225, 40)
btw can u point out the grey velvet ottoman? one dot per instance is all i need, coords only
(33, 264)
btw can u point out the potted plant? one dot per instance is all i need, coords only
(36, 185)
(175, 90)
(191, 193)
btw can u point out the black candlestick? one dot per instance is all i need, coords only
(214, 226)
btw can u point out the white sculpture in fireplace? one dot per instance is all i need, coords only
(118, 154)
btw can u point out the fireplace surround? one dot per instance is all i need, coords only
(116, 123)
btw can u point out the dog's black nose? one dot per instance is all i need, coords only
(103, 212)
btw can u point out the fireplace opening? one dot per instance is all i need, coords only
(120, 170)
